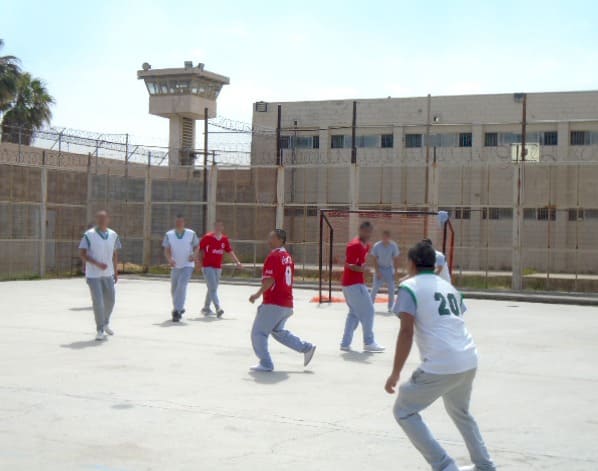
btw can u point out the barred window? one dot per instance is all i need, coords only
(465, 139)
(491, 139)
(551, 138)
(413, 140)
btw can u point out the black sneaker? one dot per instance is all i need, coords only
(176, 316)
(219, 313)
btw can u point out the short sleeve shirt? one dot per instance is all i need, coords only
(356, 254)
(181, 246)
(213, 249)
(279, 266)
(385, 254)
(100, 246)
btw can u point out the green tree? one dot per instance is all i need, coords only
(9, 75)
(28, 111)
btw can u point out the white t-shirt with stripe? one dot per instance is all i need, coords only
(181, 246)
(100, 246)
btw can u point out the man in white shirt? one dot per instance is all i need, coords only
(180, 249)
(432, 310)
(441, 267)
(98, 251)
(385, 258)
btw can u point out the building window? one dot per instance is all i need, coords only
(576, 214)
(491, 139)
(508, 138)
(462, 213)
(551, 138)
(465, 139)
(337, 141)
(497, 213)
(580, 138)
(540, 214)
(367, 141)
(413, 140)
(315, 143)
(299, 142)
(261, 107)
(387, 141)
(285, 142)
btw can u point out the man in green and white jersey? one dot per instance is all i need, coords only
(431, 310)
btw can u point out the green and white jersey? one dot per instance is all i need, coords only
(445, 345)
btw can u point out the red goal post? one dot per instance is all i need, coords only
(339, 226)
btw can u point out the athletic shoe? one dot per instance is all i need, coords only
(108, 330)
(219, 313)
(100, 336)
(346, 349)
(467, 468)
(261, 368)
(374, 348)
(206, 311)
(181, 312)
(307, 356)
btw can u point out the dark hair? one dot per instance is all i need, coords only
(386, 232)
(281, 234)
(427, 241)
(180, 216)
(366, 225)
(422, 255)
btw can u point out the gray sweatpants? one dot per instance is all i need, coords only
(179, 279)
(270, 319)
(387, 278)
(455, 389)
(212, 276)
(102, 297)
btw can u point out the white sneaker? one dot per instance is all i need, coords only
(374, 348)
(471, 467)
(108, 330)
(307, 356)
(346, 349)
(206, 312)
(100, 336)
(261, 368)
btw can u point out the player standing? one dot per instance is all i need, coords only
(277, 306)
(441, 266)
(98, 251)
(385, 256)
(431, 309)
(357, 296)
(212, 248)
(180, 248)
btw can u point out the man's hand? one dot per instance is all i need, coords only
(391, 383)
(101, 266)
(192, 258)
(239, 265)
(254, 297)
(115, 277)
(172, 262)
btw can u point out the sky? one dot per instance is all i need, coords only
(88, 52)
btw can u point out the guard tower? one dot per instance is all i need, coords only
(183, 95)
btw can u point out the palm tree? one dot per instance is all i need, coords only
(9, 74)
(28, 111)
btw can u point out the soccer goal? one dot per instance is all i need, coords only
(339, 226)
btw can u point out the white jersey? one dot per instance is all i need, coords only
(181, 246)
(445, 345)
(100, 246)
(442, 263)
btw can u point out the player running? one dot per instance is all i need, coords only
(212, 247)
(277, 306)
(180, 249)
(357, 296)
(98, 251)
(385, 258)
(431, 309)
(441, 265)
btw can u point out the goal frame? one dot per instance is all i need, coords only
(448, 239)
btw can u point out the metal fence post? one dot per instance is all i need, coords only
(516, 265)
(43, 216)
(88, 212)
(280, 197)
(211, 203)
(147, 215)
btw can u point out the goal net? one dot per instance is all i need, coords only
(338, 227)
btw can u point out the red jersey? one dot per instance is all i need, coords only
(279, 265)
(213, 249)
(356, 254)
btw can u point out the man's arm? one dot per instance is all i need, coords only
(403, 348)
(168, 255)
(267, 283)
(115, 265)
(374, 261)
(89, 259)
(236, 259)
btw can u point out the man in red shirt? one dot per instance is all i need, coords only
(212, 248)
(277, 307)
(361, 308)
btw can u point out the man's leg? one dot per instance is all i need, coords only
(376, 285)
(211, 276)
(456, 403)
(389, 279)
(180, 294)
(364, 310)
(414, 396)
(265, 320)
(352, 320)
(287, 338)
(109, 297)
(97, 299)
(174, 279)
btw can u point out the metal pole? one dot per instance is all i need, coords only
(205, 170)
(278, 125)
(321, 245)
(524, 127)
(353, 131)
(43, 216)
(330, 265)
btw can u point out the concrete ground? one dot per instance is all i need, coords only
(159, 396)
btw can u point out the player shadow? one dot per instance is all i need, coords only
(169, 323)
(276, 376)
(85, 308)
(81, 344)
(385, 313)
(357, 357)
(211, 319)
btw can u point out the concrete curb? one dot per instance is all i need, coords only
(579, 299)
